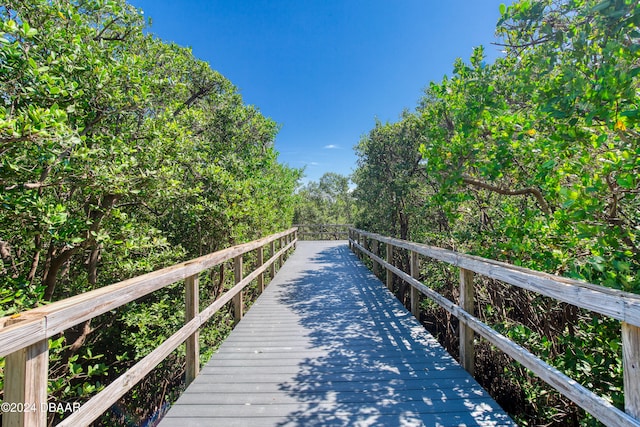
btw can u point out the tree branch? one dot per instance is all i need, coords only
(525, 191)
(29, 186)
(105, 28)
(144, 205)
(200, 93)
(522, 45)
(91, 124)
(18, 139)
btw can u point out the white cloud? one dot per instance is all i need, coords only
(330, 147)
(308, 163)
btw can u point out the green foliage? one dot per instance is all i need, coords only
(533, 160)
(119, 154)
(328, 201)
(388, 177)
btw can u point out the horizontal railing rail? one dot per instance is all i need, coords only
(323, 231)
(24, 336)
(619, 305)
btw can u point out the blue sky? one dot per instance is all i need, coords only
(326, 69)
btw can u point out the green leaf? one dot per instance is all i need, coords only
(630, 113)
(626, 181)
(601, 6)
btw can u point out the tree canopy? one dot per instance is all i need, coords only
(119, 154)
(534, 160)
(328, 201)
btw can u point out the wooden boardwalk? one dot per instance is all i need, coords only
(328, 345)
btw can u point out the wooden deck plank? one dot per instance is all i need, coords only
(347, 396)
(461, 387)
(382, 407)
(359, 420)
(327, 344)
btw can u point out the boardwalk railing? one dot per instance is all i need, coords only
(619, 305)
(24, 337)
(323, 231)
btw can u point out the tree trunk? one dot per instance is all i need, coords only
(92, 266)
(56, 262)
(51, 275)
(77, 336)
(36, 258)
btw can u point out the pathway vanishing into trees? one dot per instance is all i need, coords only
(328, 344)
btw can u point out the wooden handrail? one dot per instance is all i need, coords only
(323, 225)
(623, 306)
(321, 231)
(23, 337)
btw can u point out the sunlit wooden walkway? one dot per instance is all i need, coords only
(328, 345)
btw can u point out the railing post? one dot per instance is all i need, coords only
(390, 261)
(237, 299)
(355, 241)
(295, 238)
(261, 275)
(349, 239)
(281, 258)
(192, 309)
(467, 352)
(272, 267)
(354, 237)
(365, 243)
(285, 255)
(376, 250)
(631, 369)
(25, 384)
(415, 294)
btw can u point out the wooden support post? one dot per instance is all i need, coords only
(237, 299)
(272, 268)
(25, 384)
(349, 239)
(415, 294)
(281, 259)
(192, 309)
(390, 261)
(467, 352)
(295, 238)
(376, 250)
(631, 369)
(355, 240)
(261, 275)
(365, 243)
(284, 241)
(353, 246)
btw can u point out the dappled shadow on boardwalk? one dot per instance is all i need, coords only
(379, 366)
